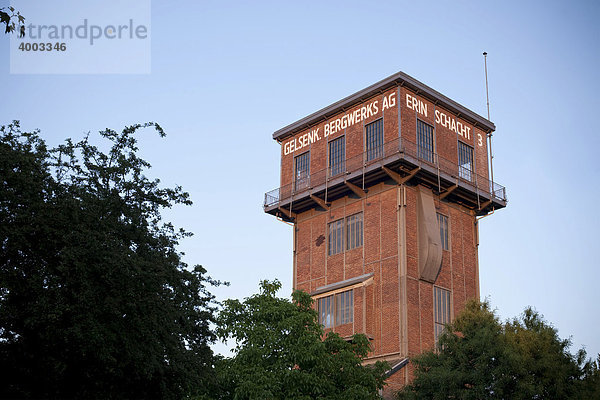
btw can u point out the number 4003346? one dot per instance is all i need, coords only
(26, 46)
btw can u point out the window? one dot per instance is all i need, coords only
(344, 303)
(326, 311)
(441, 310)
(443, 223)
(465, 161)
(374, 132)
(354, 229)
(336, 235)
(337, 154)
(424, 141)
(354, 234)
(336, 309)
(302, 166)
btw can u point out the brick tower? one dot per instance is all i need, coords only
(384, 188)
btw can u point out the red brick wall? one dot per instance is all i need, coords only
(383, 216)
(379, 254)
(354, 137)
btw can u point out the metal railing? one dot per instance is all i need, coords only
(478, 183)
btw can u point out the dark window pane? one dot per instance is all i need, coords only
(465, 161)
(443, 224)
(335, 239)
(326, 311)
(302, 167)
(354, 229)
(344, 304)
(374, 139)
(337, 154)
(424, 141)
(441, 312)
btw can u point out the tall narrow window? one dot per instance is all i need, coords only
(354, 231)
(302, 167)
(443, 223)
(326, 311)
(336, 237)
(441, 310)
(374, 139)
(337, 154)
(424, 141)
(344, 303)
(336, 309)
(465, 161)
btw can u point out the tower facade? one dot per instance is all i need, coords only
(384, 189)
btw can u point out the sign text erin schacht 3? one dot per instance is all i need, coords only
(345, 121)
(443, 119)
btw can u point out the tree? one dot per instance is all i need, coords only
(95, 300)
(12, 20)
(281, 353)
(546, 369)
(480, 358)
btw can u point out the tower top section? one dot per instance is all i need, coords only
(398, 79)
(397, 131)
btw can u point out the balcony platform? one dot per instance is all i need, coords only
(399, 162)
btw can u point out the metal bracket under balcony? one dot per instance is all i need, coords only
(398, 162)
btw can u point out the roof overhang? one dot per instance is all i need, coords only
(343, 285)
(400, 79)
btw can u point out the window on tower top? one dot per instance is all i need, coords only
(337, 154)
(425, 149)
(302, 171)
(374, 139)
(465, 161)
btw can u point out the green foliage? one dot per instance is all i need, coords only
(95, 301)
(281, 354)
(480, 358)
(12, 20)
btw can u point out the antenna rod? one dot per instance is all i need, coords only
(487, 95)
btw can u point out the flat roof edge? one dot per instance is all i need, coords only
(399, 78)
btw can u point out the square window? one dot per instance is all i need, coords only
(336, 309)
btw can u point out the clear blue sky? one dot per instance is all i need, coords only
(225, 75)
